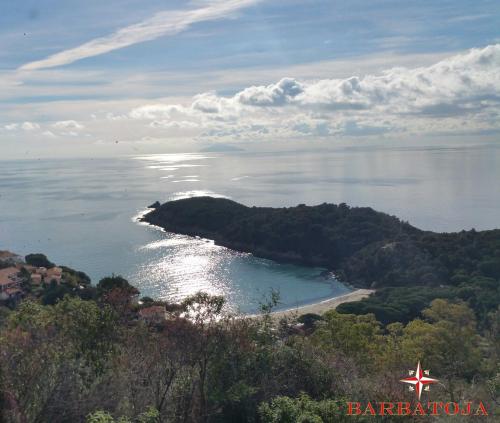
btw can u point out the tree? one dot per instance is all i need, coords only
(109, 283)
(149, 416)
(117, 292)
(303, 409)
(357, 337)
(39, 260)
(206, 314)
(55, 292)
(446, 341)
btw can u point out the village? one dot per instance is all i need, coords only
(33, 275)
(16, 274)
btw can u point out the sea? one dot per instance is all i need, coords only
(84, 213)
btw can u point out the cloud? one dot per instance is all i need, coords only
(154, 111)
(68, 125)
(457, 94)
(207, 103)
(465, 80)
(277, 94)
(25, 126)
(30, 126)
(318, 128)
(355, 129)
(11, 126)
(161, 24)
(21, 126)
(183, 124)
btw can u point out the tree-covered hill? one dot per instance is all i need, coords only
(364, 247)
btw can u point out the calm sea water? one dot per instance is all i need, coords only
(82, 213)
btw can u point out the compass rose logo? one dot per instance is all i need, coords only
(419, 380)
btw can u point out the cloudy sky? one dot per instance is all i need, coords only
(114, 77)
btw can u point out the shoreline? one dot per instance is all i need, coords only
(324, 305)
(318, 307)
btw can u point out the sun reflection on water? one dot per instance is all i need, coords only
(176, 266)
(185, 266)
(179, 266)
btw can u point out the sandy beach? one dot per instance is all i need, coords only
(325, 305)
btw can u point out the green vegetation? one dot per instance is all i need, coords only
(150, 416)
(365, 247)
(397, 304)
(115, 283)
(302, 409)
(402, 304)
(97, 361)
(39, 260)
(72, 352)
(75, 277)
(74, 284)
(323, 235)
(368, 249)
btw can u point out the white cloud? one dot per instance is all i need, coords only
(183, 124)
(207, 103)
(68, 125)
(21, 126)
(457, 94)
(30, 126)
(11, 126)
(463, 81)
(277, 94)
(161, 24)
(154, 111)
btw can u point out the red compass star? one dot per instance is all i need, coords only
(419, 380)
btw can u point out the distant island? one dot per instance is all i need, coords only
(221, 148)
(409, 267)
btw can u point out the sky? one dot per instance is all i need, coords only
(104, 78)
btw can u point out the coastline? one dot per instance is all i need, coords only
(318, 307)
(322, 306)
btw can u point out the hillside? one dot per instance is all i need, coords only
(81, 353)
(365, 247)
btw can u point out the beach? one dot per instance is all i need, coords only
(325, 305)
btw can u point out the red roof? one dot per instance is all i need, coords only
(6, 274)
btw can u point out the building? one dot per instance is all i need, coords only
(53, 274)
(13, 271)
(36, 279)
(41, 271)
(10, 284)
(52, 278)
(8, 259)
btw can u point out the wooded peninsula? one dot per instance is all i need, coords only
(407, 266)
